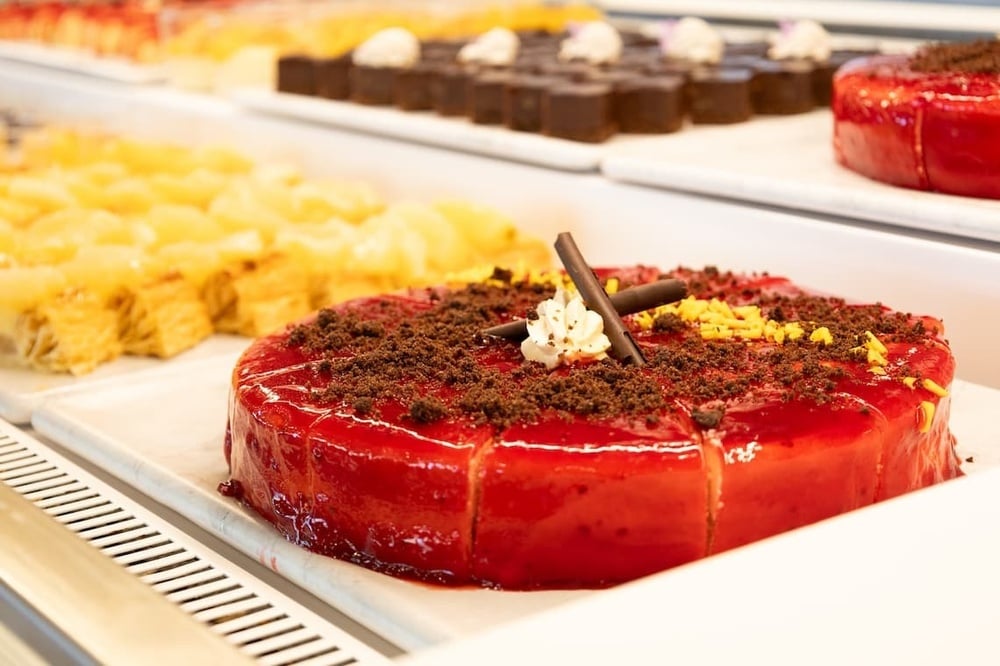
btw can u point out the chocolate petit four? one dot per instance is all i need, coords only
(720, 95)
(297, 75)
(450, 89)
(650, 105)
(378, 61)
(412, 87)
(522, 102)
(373, 85)
(782, 87)
(333, 77)
(579, 112)
(486, 97)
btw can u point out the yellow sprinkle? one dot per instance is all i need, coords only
(793, 330)
(751, 333)
(779, 335)
(911, 382)
(926, 415)
(715, 305)
(821, 334)
(612, 286)
(935, 388)
(715, 332)
(875, 357)
(875, 343)
(877, 370)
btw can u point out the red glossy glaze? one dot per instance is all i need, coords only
(561, 503)
(921, 130)
(579, 502)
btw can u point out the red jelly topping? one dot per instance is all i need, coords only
(389, 433)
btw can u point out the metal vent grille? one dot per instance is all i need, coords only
(254, 618)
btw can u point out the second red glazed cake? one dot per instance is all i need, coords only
(390, 432)
(929, 121)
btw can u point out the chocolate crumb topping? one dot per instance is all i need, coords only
(427, 410)
(668, 323)
(707, 418)
(427, 356)
(978, 57)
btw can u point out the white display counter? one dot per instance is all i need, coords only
(614, 223)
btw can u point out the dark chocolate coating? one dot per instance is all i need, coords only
(296, 75)
(450, 90)
(782, 87)
(333, 77)
(522, 101)
(579, 112)
(650, 105)
(486, 97)
(412, 88)
(373, 85)
(719, 95)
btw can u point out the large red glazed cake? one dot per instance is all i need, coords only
(929, 121)
(391, 432)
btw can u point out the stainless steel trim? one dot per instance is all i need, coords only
(14, 651)
(114, 616)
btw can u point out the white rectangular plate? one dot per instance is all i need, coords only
(23, 389)
(428, 128)
(118, 70)
(164, 436)
(788, 161)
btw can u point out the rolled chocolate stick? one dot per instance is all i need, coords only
(626, 302)
(623, 347)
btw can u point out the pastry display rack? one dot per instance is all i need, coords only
(144, 443)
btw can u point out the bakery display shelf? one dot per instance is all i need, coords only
(23, 389)
(164, 436)
(428, 128)
(789, 162)
(116, 70)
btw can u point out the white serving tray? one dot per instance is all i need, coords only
(118, 70)
(788, 161)
(427, 128)
(163, 435)
(23, 389)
